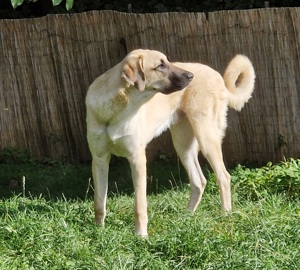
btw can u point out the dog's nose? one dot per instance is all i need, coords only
(189, 75)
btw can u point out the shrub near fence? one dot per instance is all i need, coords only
(48, 63)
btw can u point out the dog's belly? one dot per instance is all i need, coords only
(127, 140)
(122, 147)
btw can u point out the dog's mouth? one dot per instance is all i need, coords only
(178, 82)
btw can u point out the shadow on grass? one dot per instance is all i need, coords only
(55, 180)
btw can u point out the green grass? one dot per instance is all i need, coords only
(40, 234)
(53, 228)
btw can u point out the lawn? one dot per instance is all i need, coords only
(52, 227)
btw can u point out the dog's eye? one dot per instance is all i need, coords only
(162, 65)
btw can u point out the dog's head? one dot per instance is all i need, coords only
(147, 69)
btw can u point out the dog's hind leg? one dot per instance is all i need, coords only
(100, 167)
(187, 149)
(139, 176)
(215, 158)
(209, 137)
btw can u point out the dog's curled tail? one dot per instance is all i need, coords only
(239, 79)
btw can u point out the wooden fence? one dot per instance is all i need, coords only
(47, 64)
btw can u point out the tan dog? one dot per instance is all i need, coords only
(137, 100)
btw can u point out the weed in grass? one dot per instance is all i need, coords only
(283, 178)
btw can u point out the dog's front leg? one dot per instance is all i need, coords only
(100, 167)
(139, 175)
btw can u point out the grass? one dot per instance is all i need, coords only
(41, 234)
(50, 230)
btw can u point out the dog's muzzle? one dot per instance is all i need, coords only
(178, 81)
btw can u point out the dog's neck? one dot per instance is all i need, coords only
(135, 97)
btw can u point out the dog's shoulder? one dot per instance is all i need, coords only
(107, 96)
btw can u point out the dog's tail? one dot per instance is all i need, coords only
(239, 79)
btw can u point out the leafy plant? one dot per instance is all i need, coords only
(272, 179)
(69, 3)
(16, 156)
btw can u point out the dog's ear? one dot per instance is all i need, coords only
(133, 73)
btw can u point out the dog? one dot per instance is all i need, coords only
(144, 95)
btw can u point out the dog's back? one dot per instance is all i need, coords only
(236, 86)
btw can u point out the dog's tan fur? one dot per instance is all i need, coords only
(138, 99)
